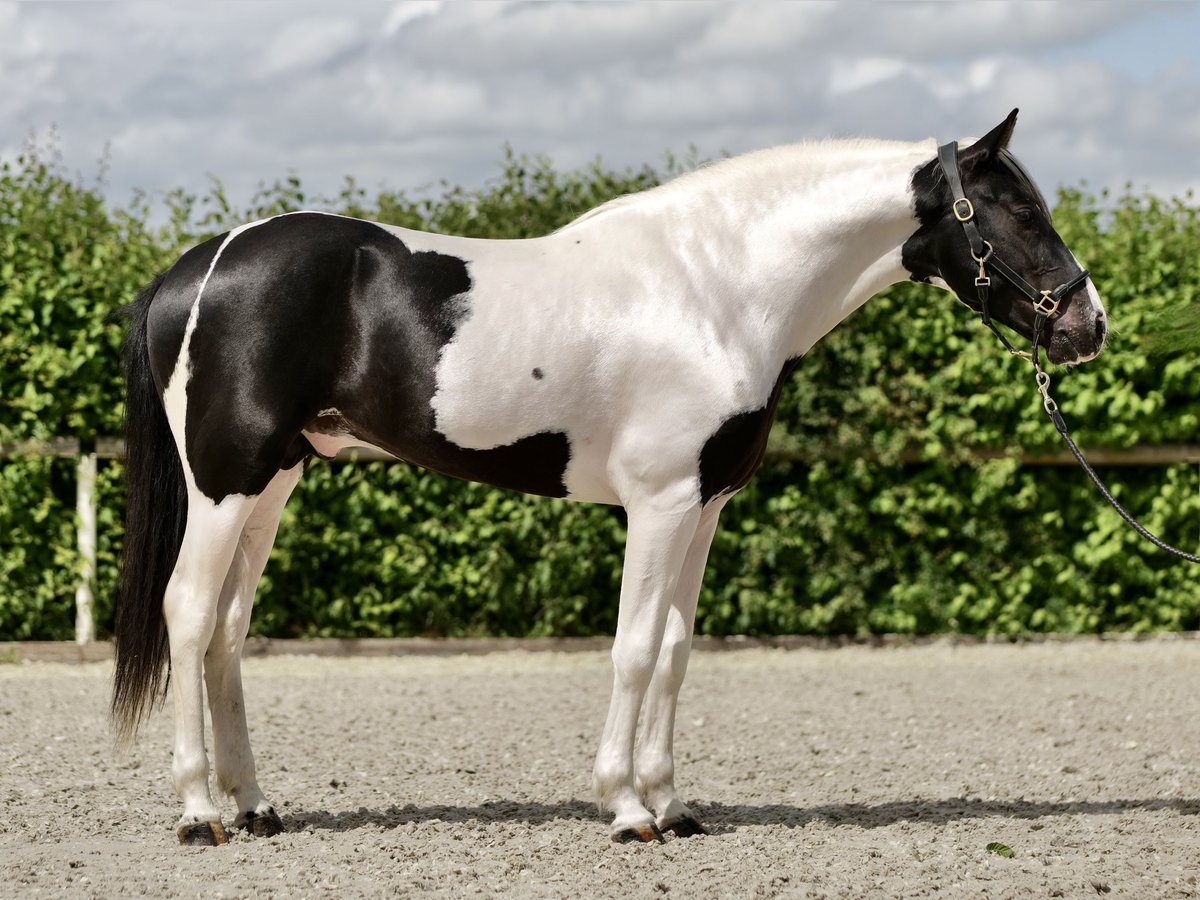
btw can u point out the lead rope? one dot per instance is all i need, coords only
(1051, 407)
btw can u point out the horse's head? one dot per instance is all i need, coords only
(997, 214)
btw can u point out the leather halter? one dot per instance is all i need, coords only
(1045, 303)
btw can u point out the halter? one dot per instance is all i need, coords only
(1045, 303)
(1045, 307)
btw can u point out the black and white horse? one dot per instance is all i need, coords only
(633, 357)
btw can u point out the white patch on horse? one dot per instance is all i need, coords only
(1093, 294)
(695, 292)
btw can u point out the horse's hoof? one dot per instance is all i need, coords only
(644, 834)
(686, 826)
(266, 824)
(202, 834)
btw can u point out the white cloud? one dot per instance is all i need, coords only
(405, 94)
(308, 43)
(409, 11)
(850, 75)
(743, 31)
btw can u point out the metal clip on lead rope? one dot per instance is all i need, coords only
(1043, 383)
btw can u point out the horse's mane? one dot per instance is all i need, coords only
(816, 150)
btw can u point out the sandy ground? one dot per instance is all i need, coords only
(822, 773)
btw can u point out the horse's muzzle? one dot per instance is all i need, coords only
(1079, 335)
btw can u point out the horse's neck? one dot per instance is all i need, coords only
(796, 238)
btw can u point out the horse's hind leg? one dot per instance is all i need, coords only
(233, 759)
(190, 610)
(655, 758)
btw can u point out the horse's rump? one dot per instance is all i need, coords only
(312, 321)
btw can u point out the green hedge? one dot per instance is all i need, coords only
(854, 540)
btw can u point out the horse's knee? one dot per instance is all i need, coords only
(646, 653)
(633, 666)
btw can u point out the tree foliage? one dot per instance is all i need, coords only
(853, 538)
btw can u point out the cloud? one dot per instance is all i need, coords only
(307, 45)
(850, 75)
(408, 93)
(409, 11)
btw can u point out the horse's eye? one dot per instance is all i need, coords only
(1024, 215)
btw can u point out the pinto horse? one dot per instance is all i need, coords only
(634, 357)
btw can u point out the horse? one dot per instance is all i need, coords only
(634, 357)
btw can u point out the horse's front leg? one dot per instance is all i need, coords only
(660, 531)
(655, 757)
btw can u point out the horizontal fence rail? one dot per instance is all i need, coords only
(88, 454)
(1150, 455)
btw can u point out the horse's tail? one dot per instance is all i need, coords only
(155, 515)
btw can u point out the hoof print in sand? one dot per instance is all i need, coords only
(685, 827)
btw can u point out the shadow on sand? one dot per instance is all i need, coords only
(720, 817)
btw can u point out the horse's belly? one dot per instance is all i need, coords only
(537, 431)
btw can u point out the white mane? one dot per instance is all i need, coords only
(813, 156)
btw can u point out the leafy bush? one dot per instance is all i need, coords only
(841, 533)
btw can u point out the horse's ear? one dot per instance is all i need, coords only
(990, 144)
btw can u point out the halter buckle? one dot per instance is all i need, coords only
(1047, 304)
(970, 210)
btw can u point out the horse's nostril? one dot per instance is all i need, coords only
(1101, 327)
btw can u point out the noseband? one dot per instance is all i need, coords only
(1045, 303)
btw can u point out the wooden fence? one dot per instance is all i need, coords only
(87, 460)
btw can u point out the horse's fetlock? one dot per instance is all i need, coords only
(608, 780)
(654, 773)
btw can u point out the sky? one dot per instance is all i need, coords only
(404, 95)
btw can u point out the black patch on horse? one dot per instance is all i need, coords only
(309, 312)
(929, 200)
(733, 454)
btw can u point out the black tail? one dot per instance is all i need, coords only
(155, 515)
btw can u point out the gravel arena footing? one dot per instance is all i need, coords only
(851, 772)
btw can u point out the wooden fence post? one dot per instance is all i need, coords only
(85, 509)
